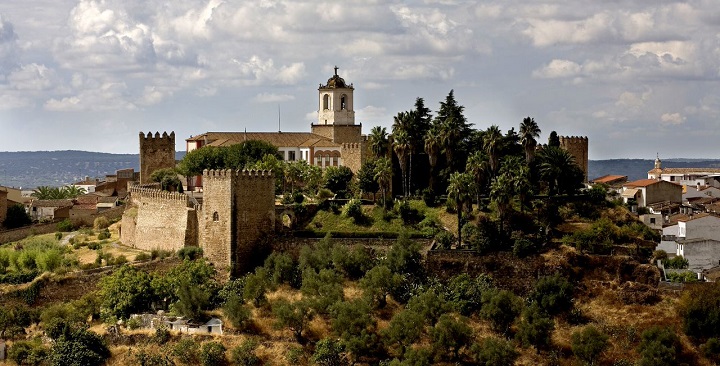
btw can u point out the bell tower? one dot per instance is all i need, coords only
(335, 102)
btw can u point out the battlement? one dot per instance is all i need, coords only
(577, 146)
(225, 173)
(573, 139)
(152, 194)
(352, 145)
(158, 136)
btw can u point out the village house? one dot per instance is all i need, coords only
(709, 177)
(696, 238)
(646, 192)
(50, 210)
(112, 185)
(613, 182)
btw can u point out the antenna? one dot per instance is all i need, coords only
(279, 130)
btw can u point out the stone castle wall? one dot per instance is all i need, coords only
(156, 152)
(353, 155)
(216, 217)
(161, 221)
(339, 133)
(577, 146)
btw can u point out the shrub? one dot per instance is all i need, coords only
(105, 234)
(212, 354)
(142, 256)
(101, 223)
(682, 277)
(298, 197)
(659, 346)
(445, 239)
(244, 354)
(162, 335)
(588, 344)
(353, 209)
(292, 315)
(659, 255)
(133, 323)
(121, 259)
(500, 307)
(236, 311)
(185, 351)
(553, 294)
(328, 352)
(428, 196)
(449, 336)
(677, 262)
(494, 352)
(93, 245)
(700, 310)
(58, 236)
(408, 214)
(190, 253)
(28, 353)
(711, 349)
(65, 226)
(523, 247)
(536, 328)
(324, 193)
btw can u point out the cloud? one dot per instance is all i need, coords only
(558, 69)
(672, 119)
(8, 46)
(272, 98)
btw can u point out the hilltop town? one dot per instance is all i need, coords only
(438, 242)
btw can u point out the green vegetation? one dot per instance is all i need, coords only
(57, 193)
(16, 217)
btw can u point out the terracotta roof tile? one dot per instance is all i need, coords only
(279, 139)
(691, 170)
(609, 178)
(642, 183)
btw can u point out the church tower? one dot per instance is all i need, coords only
(335, 102)
(336, 113)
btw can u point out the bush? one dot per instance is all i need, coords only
(65, 226)
(700, 310)
(105, 234)
(162, 335)
(588, 344)
(445, 239)
(500, 307)
(553, 294)
(101, 223)
(28, 353)
(711, 349)
(185, 351)
(16, 217)
(536, 328)
(353, 209)
(428, 196)
(133, 323)
(212, 354)
(494, 352)
(324, 193)
(659, 346)
(93, 245)
(298, 197)
(190, 253)
(523, 247)
(408, 214)
(244, 354)
(676, 263)
(58, 236)
(328, 352)
(449, 336)
(142, 256)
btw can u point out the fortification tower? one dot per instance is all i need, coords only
(156, 152)
(238, 211)
(577, 146)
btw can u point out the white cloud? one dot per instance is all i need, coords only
(558, 69)
(672, 118)
(272, 98)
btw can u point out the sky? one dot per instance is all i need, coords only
(638, 78)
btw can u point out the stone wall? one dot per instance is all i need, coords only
(161, 221)
(156, 152)
(339, 133)
(216, 217)
(577, 146)
(354, 155)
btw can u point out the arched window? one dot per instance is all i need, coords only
(216, 216)
(343, 106)
(326, 101)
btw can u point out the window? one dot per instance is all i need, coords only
(326, 101)
(216, 216)
(291, 156)
(652, 220)
(342, 103)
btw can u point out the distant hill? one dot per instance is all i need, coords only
(637, 168)
(29, 169)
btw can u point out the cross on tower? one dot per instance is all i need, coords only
(336, 69)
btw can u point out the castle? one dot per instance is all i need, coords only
(577, 146)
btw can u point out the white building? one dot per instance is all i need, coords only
(686, 176)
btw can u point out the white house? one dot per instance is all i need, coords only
(686, 176)
(649, 191)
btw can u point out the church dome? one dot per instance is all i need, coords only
(336, 82)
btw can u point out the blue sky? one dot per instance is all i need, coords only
(636, 77)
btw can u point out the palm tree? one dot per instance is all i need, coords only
(459, 189)
(378, 141)
(492, 141)
(433, 144)
(401, 145)
(383, 175)
(558, 169)
(477, 167)
(501, 193)
(529, 132)
(73, 191)
(518, 174)
(406, 122)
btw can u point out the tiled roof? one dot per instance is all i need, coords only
(52, 203)
(695, 217)
(642, 183)
(279, 139)
(609, 178)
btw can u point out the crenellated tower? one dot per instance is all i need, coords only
(238, 210)
(156, 152)
(577, 146)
